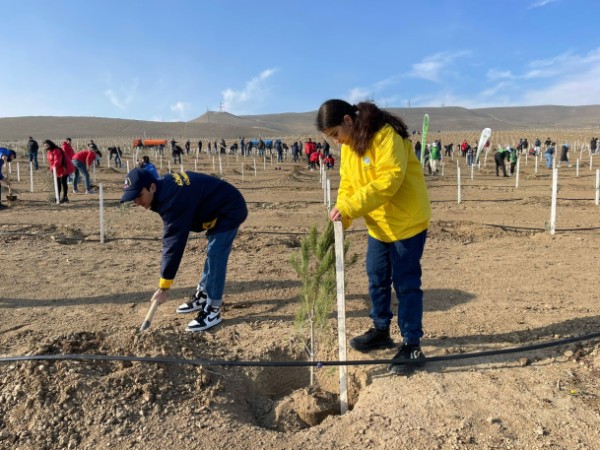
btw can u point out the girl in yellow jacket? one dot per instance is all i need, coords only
(382, 181)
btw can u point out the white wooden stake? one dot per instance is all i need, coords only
(341, 313)
(214, 164)
(536, 165)
(590, 160)
(443, 164)
(597, 186)
(254, 166)
(55, 185)
(518, 171)
(181, 167)
(577, 168)
(127, 161)
(472, 170)
(458, 184)
(18, 173)
(195, 165)
(553, 205)
(321, 176)
(101, 205)
(30, 177)
(328, 196)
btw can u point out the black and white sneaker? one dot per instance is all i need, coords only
(407, 360)
(207, 318)
(197, 302)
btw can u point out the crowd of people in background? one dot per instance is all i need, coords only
(71, 166)
(504, 154)
(63, 161)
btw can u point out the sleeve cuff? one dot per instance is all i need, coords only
(165, 284)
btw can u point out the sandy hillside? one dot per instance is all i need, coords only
(494, 278)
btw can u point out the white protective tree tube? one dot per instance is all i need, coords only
(553, 204)
(55, 185)
(458, 184)
(597, 199)
(101, 207)
(341, 313)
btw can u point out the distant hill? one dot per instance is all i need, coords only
(228, 126)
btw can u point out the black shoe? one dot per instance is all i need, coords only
(207, 318)
(197, 302)
(65, 200)
(408, 358)
(371, 340)
(3, 206)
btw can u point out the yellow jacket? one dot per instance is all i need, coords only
(386, 186)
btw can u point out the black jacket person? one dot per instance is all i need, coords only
(189, 201)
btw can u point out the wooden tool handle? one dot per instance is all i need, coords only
(149, 315)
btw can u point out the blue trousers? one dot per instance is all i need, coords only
(398, 264)
(213, 276)
(33, 157)
(80, 168)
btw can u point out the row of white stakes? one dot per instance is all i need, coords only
(554, 191)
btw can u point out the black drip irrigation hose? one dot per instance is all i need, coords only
(318, 364)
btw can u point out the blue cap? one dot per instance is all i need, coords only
(136, 180)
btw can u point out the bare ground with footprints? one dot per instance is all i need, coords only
(494, 278)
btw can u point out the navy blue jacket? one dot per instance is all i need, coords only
(190, 201)
(3, 152)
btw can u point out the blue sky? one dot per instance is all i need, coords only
(173, 60)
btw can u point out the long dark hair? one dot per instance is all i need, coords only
(367, 119)
(51, 145)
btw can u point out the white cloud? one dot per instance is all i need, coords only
(377, 92)
(181, 109)
(494, 74)
(564, 79)
(579, 88)
(431, 67)
(540, 3)
(358, 94)
(254, 93)
(123, 96)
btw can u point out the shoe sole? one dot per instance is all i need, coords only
(404, 369)
(187, 311)
(382, 346)
(197, 329)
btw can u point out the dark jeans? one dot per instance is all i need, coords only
(80, 168)
(397, 263)
(500, 164)
(33, 157)
(62, 186)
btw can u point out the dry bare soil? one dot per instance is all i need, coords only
(494, 278)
